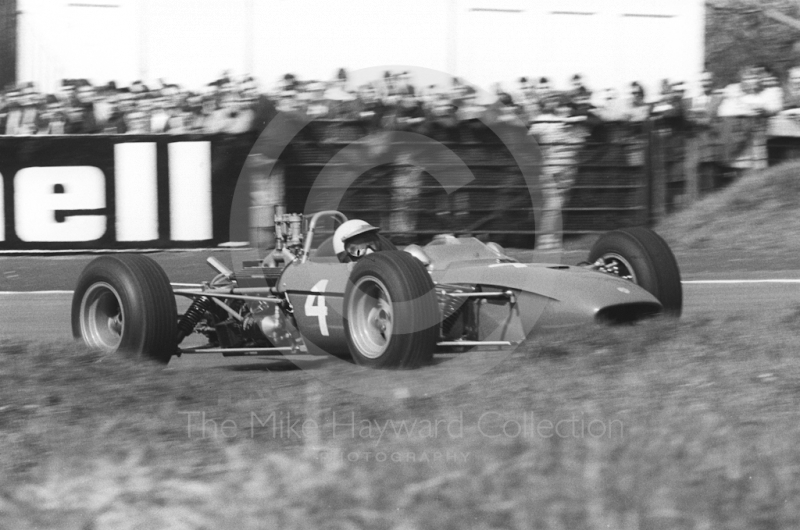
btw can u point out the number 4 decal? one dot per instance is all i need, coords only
(315, 306)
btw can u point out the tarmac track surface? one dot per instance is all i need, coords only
(35, 294)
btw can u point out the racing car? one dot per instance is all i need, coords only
(356, 296)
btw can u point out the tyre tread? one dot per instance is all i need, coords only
(662, 275)
(157, 338)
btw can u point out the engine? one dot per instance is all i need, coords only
(289, 238)
(264, 325)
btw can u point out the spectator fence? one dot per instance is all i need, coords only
(630, 175)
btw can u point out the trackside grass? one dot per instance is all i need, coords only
(660, 425)
(756, 214)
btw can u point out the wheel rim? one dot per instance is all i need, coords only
(370, 317)
(617, 265)
(102, 317)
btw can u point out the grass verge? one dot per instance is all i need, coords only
(661, 425)
(757, 214)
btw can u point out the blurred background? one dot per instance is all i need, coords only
(635, 108)
(189, 41)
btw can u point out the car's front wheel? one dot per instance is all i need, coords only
(391, 313)
(125, 304)
(643, 257)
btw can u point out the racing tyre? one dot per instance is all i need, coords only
(391, 313)
(385, 244)
(642, 256)
(125, 304)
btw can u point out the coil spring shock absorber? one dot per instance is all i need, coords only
(193, 315)
(451, 311)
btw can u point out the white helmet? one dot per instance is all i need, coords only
(347, 243)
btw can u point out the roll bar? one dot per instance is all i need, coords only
(312, 224)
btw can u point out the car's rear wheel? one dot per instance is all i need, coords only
(125, 304)
(643, 257)
(391, 313)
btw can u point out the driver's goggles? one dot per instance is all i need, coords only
(358, 250)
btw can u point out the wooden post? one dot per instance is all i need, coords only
(691, 173)
(658, 177)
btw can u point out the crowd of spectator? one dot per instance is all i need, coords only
(235, 105)
(729, 124)
(226, 105)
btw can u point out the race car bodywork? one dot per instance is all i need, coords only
(390, 309)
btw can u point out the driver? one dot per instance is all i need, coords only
(355, 239)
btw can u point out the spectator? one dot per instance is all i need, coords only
(54, 117)
(188, 117)
(23, 110)
(746, 108)
(160, 114)
(506, 111)
(543, 89)
(137, 121)
(704, 106)
(771, 92)
(318, 105)
(633, 137)
(747, 98)
(559, 142)
(167, 112)
(228, 114)
(111, 116)
(638, 110)
(138, 88)
(126, 102)
(410, 115)
(704, 121)
(338, 91)
(13, 121)
(457, 90)
(104, 103)
(289, 82)
(469, 115)
(288, 102)
(610, 107)
(370, 109)
(442, 116)
(577, 85)
(673, 109)
(240, 113)
(583, 111)
(263, 108)
(85, 119)
(404, 84)
(792, 90)
(528, 100)
(468, 108)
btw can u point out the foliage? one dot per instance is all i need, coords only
(740, 34)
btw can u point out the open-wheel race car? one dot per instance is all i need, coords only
(357, 297)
